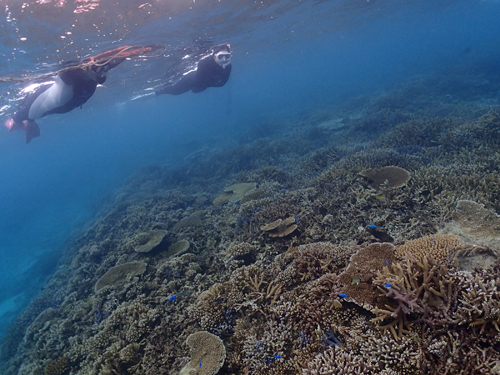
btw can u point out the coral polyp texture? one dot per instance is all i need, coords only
(289, 273)
(440, 247)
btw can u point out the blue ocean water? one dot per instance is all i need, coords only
(288, 56)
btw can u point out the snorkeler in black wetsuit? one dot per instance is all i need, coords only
(72, 87)
(212, 71)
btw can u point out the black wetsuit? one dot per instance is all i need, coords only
(83, 87)
(207, 74)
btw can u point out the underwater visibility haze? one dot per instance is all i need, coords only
(332, 209)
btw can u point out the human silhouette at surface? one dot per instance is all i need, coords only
(72, 87)
(212, 70)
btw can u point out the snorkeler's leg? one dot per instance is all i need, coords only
(32, 130)
(19, 118)
(186, 83)
(30, 127)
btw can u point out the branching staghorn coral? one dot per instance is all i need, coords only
(335, 361)
(462, 352)
(417, 290)
(479, 303)
(271, 293)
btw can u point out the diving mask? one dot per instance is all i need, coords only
(223, 58)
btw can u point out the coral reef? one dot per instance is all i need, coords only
(479, 302)
(415, 288)
(292, 273)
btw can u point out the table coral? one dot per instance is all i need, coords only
(280, 227)
(392, 177)
(364, 265)
(178, 248)
(234, 193)
(476, 225)
(145, 242)
(120, 273)
(207, 354)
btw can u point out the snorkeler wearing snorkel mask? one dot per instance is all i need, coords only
(72, 86)
(212, 70)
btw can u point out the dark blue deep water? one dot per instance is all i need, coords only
(289, 57)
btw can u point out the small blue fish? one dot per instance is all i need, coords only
(343, 295)
(388, 285)
(277, 356)
(386, 262)
(228, 261)
(372, 226)
(200, 363)
(172, 298)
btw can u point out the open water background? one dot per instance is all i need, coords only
(288, 56)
